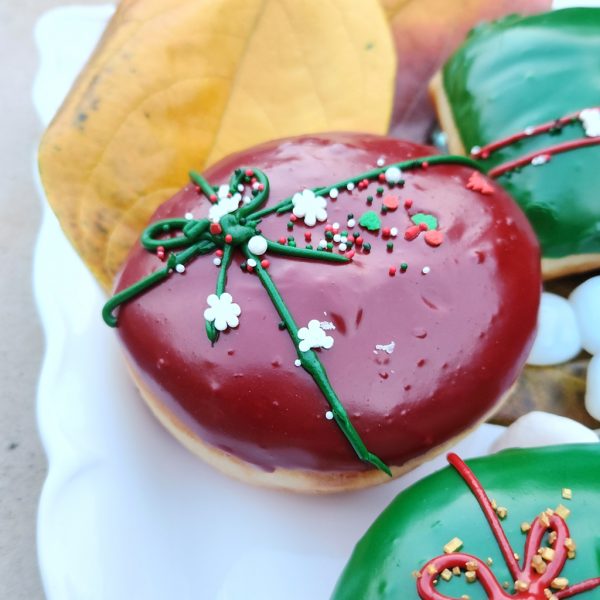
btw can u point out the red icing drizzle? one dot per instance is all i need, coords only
(485, 151)
(537, 582)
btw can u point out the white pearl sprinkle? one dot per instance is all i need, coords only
(337, 238)
(257, 244)
(247, 199)
(351, 222)
(240, 187)
(475, 149)
(343, 239)
(251, 262)
(333, 193)
(542, 159)
(297, 362)
(342, 247)
(217, 262)
(529, 130)
(323, 244)
(255, 185)
(393, 174)
(394, 231)
(180, 268)
(189, 216)
(329, 415)
(425, 270)
(350, 186)
(380, 161)
(335, 226)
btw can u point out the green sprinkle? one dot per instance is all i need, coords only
(290, 225)
(350, 216)
(355, 234)
(403, 267)
(308, 246)
(369, 199)
(328, 235)
(370, 220)
(384, 210)
(380, 191)
(329, 246)
(243, 266)
(367, 247)
(429, 220)
(344, 233)
(390, 246)
(281, 325)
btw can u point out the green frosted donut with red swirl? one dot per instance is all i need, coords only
(521, 524)
(522, 96)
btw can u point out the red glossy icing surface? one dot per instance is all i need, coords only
(461, 332)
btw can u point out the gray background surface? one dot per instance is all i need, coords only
(22, 461)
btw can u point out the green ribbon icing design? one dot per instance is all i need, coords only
(191, 238)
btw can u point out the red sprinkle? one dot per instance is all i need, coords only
(391, 202)
(282, 240)
(215, 228)
(424, 165)
(358, 241)
(228, 239)
(381, 177)
(212, 198)
(423, 226)
(249, 172)
(392, 271)
(197, 188)
(264, 263)
(293, 218)
(412, 232)
(261, 187)
(434, 237)
(219, 252)
(350, 254)
(307, 236)
(385, 232)
(328, 227)
(408, 203)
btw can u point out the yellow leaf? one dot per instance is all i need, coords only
(175, 85)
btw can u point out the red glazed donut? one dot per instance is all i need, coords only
(420, 336)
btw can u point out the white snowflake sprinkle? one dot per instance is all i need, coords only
(313, 337)
(393, 174)
(327, 325)
(309, 207)
(224, 206)
(590, 119)
(222, 311)
(387, 348)
(223, 191)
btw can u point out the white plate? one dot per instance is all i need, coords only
(126, 513)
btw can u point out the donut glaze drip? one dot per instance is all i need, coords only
(245, 395)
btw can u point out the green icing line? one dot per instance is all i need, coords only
(414, 528)
(236, 229)
(548, 67)
(370, 220)
(429, 220)
(311, 363)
